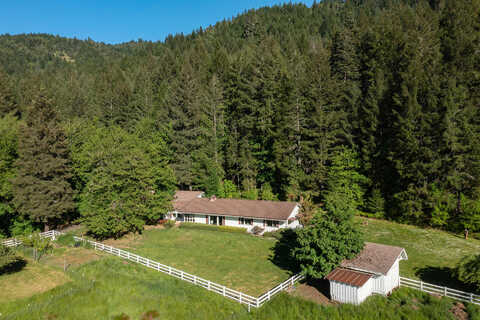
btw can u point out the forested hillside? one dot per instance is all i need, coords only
(259, 106)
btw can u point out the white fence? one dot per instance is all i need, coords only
(209, 285)
(441, 291)
(16, 242)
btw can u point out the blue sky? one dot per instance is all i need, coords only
(119, 21)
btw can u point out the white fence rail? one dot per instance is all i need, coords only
(16, 242)
(439, 290)
(198, 281)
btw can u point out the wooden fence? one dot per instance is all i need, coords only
(439, 290)
(238, 296)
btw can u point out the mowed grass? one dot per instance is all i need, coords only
(432, 254)
(238, 261)
(110, 287)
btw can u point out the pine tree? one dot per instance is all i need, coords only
(41, 188)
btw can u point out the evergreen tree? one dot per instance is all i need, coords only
(41, 187)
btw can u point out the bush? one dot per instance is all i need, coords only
(468, 271)
(67, 240)
(274, 234)
(199, 226)
(169, 224)
(257, 230)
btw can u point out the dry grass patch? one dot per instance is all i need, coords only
(34, 278)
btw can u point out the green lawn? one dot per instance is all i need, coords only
(102, 287)
(110, 287)
(238, 261)
(431, 253)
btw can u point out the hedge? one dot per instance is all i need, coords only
(199, 226)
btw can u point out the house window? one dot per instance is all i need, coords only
(272, 223)
(245, 221)
(189, 218)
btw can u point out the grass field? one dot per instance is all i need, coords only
(109, 287)
(238, 261)
(431, 253)
(102, 287)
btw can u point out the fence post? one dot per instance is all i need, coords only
(471, 297)
(445, 291)
(195, 280)
(208, 285)
(223, 289)
(181, 275)
(292, 281)
(169, 270)
(421, 285)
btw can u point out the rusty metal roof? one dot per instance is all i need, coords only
(353, 278)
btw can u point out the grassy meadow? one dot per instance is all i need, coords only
(114, 289)
(98, 286)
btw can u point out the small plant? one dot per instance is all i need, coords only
(273, 234)
(468, 271)
(150, 315)
(39, 245)
(200, 226)
(169, 224)
(67, 240)
(257, 230)
(122, 316)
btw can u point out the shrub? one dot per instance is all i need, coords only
(67, 240)
(468, 271)
(169, 224)
(199, 226)
(39, 245)
(257, 230)
(274, 234)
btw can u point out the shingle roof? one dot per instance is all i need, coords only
(181, 198)
(274, 210)
(375, 258)
(353, 278)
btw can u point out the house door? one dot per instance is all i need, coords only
(213, 220)
(221, 221)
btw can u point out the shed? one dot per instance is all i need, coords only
(374, 270)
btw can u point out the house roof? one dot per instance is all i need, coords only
(375, 258)
(351, 277)
(273, 210)
(181, 198)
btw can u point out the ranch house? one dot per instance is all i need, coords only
(192, 206)
(374, 270)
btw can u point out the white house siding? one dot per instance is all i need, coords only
(378, 284)
(343, 293)
(392, 279)
(365, 291)
(233, 221)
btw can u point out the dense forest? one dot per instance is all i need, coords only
(259, 106)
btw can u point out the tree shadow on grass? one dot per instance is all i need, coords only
(442, 276)
(282, 251)
(15, 266)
